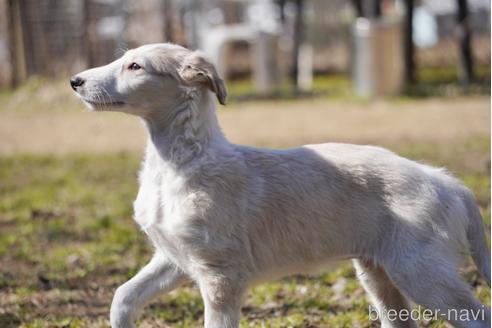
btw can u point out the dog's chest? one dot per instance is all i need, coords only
(168, 215)
(148, 204)
(161, 202)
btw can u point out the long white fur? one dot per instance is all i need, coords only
(227, 216)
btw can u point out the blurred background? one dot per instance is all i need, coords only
(382, 46)
(409, 75)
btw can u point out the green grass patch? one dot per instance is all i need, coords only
(66, 223)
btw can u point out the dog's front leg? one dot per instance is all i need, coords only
(159, 276)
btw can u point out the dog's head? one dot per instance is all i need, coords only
(149, 78)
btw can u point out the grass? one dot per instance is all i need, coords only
(66, 224)
(67, 185)
(442, 81)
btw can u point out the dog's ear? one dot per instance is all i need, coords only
(197, 70)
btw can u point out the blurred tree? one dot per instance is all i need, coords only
(358, 8)
(367, 8)
(88, 37)
(376, 8)
(173, 22)
(409, 48)
(464, 35)
(297, 36)
(17, 41)
(281, 6)
(297, 41)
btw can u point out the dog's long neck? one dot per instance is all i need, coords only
(184, 132)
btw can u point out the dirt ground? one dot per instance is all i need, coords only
(279, 124)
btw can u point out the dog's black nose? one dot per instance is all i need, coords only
(76, 81)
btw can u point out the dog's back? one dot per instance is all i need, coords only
(340, 201)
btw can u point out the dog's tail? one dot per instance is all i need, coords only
(476, 237)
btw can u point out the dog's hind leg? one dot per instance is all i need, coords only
(384, 296)
(222, 298)
(429, 277)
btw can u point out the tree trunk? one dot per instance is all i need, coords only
(168, 14)
(298, 37)
(281, 7)
(359, 10)
(86, 39)
(367, 8)
(25, 14)
(409, 48)
(464, 36)
(377, 11)
(16, 43)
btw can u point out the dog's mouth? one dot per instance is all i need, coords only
(101, 105)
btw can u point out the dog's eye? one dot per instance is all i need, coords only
(134, 66)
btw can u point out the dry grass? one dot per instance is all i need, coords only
(65, 216)
(67, 128)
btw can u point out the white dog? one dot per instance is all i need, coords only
(226, 216)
